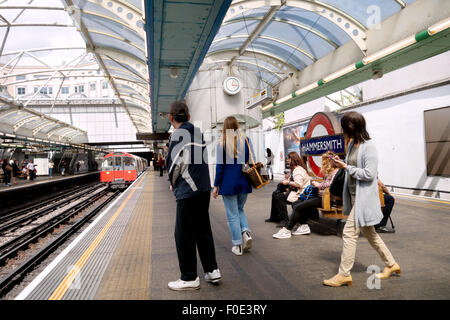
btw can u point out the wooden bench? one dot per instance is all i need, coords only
(334, 211)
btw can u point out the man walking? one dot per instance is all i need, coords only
(191, 185)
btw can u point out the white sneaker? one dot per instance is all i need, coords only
(303, 229)
(247, 239)
(237, 250)
(282, 234)
(213, 276)
(180, 285)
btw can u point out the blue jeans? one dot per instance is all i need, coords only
(50, 170)
(237, 221)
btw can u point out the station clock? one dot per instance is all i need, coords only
(232, 86)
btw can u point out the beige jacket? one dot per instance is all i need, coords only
(302, 178)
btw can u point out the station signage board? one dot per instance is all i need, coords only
(318, 145)
(324, 133)
(259, 98)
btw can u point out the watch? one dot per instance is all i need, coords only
(232, 85)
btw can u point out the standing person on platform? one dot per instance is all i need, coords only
(160, 164)
(7, 171)
(31, 167)
(15, 170)
(190, 182)
(269, 164)
(50, 168)
(361, 200)
(231, 183)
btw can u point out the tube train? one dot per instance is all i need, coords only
(120, 169)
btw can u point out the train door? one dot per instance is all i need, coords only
(118, 168)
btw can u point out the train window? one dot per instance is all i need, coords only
(118, 163)
(107, 164)
(130, 163)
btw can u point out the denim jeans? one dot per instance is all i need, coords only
(237, 221)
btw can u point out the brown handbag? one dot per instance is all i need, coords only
(252, 172)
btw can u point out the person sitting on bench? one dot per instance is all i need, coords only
(307, 209)
(289, 190)
(389, 201)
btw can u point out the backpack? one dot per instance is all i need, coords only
(309, 193)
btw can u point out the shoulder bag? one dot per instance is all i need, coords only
(252, 172)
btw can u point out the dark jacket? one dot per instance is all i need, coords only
(186, 163)
(229, 176)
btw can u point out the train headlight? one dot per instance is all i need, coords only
(107, 172)
(129, 171)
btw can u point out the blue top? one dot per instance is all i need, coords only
(229, 176)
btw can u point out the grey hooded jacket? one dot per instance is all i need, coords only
(367, 201)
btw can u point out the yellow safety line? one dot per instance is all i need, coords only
(422, 199)
(65, 284)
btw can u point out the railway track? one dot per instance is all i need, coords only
(15, 220)
(98, 199)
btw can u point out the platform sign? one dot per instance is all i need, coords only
(318, 145)
(259, 98)
(324, 132)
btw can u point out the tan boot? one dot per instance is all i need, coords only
(388, 271)
(338, 280)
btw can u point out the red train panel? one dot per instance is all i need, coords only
(121, 168)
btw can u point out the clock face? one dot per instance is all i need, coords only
(232, 85)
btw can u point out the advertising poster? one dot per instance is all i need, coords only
(291, 139)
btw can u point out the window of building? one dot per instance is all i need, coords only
(20, 77)
(64, 90)
(44, 90)
(92, 86)
(105, 85)
(21, 91)
(437, 141)
(79, 89)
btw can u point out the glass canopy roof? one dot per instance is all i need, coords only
(294, 34)
(53, 33)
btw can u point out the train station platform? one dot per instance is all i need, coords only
(128, 252)
(41, 181)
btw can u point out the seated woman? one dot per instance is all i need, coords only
(307, 209)
(298, 181)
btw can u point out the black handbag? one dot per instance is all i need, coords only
(337, 185)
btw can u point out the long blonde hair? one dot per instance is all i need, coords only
(231, 132)
(327, 165)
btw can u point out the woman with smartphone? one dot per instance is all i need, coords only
(360, 200)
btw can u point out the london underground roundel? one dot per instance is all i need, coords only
(321, 124)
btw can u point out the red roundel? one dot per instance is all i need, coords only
(319, 125)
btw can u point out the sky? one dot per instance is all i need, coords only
(21, 38)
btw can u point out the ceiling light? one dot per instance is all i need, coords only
(173, 72)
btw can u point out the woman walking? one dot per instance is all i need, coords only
(269, 164)
(296, 184)
(361, 201)
(232, 152)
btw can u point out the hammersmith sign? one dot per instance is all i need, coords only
(318, 145)
(323, 134)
